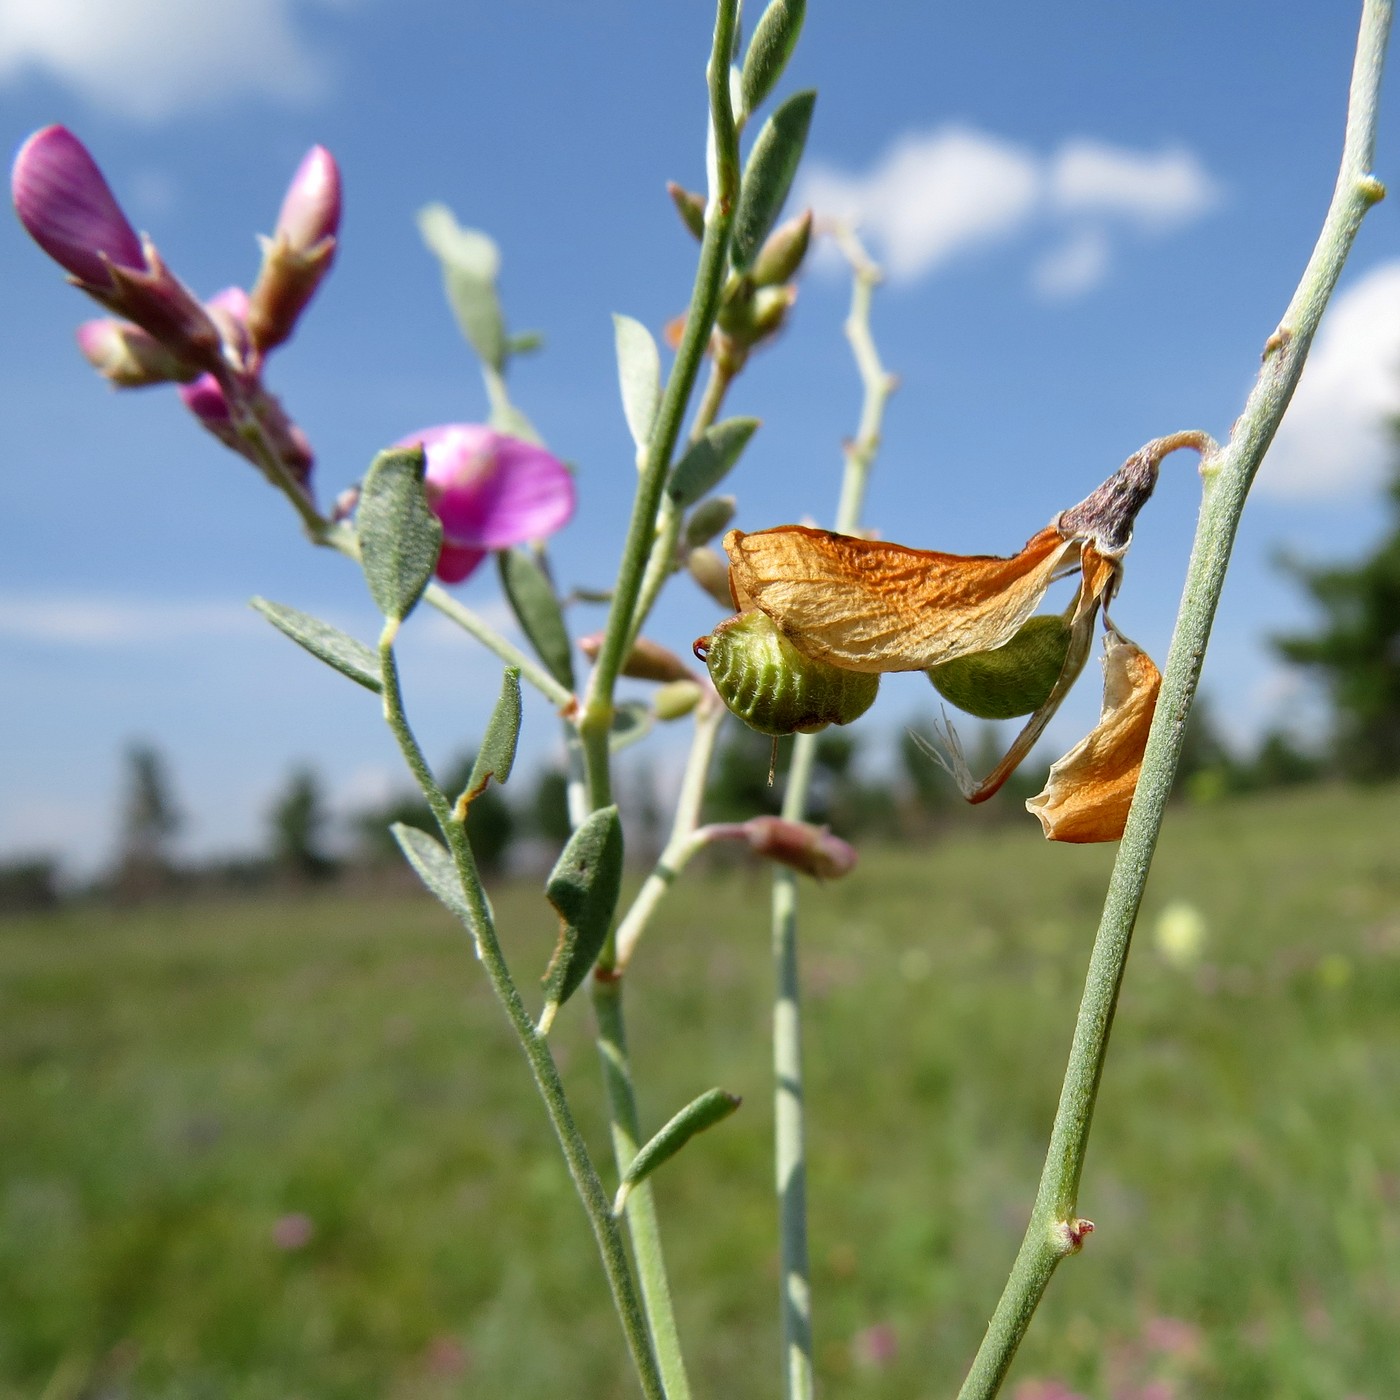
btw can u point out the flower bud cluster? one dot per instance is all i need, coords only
(162, 333)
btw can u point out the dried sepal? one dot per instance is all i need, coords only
(866, 605)
(1089, 790)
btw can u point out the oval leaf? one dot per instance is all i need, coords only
(768, 176)
(470, 264)
(769, 50)
(639, 374)
(583, 888)
(399, 535)
(329, 644)
(435, 867)
(496, 756)
(710, 1108)
(532, 600)
(709, 459)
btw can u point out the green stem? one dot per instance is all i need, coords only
(795, 1296)
(536, 1050)
(704, 303)
(1055, 1228)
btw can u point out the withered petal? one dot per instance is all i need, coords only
(1090, 789)
(866, 605)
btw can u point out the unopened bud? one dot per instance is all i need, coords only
(1015, 679)
(300, 252)
(712, 574)
(691, 207)
(708, 519)
(773, 687)
(675, 700)
(770, 309)
(129, 357)
(781, 257)
(647, 661)
(811, 849)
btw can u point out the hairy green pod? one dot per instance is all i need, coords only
(772, 687)
(1015, 679)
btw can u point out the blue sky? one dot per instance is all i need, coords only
(1093, 216)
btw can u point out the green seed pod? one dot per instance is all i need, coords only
(772, 687)
(1015, 679)
(707, 520)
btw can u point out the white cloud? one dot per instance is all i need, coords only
(932, 196)
(149, 59)
(939, 195)
(102, 621)
(1333, 440)
(1160, 191)
(1076, 265)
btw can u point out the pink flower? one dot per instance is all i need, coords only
(311, 209)
(490, 491)
(65, 204)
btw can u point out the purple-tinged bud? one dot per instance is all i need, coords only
(311, 210)
(228, 310)
(272, 430)
(647, 661)
(205, 399)
(811, 849)
(66, 206)
(300, 252)
(129, 357)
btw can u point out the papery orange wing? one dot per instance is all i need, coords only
(1089, 790)
(870, 606)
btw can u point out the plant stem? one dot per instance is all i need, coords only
(1054, 1228)
(795, 1295)
(536, 1049)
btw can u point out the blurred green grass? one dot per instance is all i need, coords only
(180, 1086)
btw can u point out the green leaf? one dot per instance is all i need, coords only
(768, 176)
(631, 721)
(329, 644)
(470, 266)
(435, 868)
(639, 374)
(710, 1108)
(583, 888)
(399, 535)
(709, 459)
(525, 342)
(497, 753)
(769, 50)
(532, 600)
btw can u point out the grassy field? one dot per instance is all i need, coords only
(287, 1149)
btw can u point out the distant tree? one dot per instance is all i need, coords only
(1279, 762)
(1356, 650)
(549, 806)
(298, 821)
(28, 884)
(150, 819)
(490, 822)
(1207, 768)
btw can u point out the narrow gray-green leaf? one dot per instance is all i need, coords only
(399, 535)
(583, 888)
(329, 644)
(768, 176)
(435, 868)
(496, 755)
(532, 600)
(631, 721)
(639, 375)
(769, 50)
(710, 1108)
(709, 459)
(525, 342)
(470, 264)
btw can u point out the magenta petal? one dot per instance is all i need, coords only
(456, 561)
(205, 399)
(65, 204)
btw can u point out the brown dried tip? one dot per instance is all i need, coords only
(811, 849)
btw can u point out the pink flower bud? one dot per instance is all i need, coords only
(69, 211)
(300, 252)
(64, 202)
(127, 356)
(311, 210)
(490, 491)
(205, 399)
